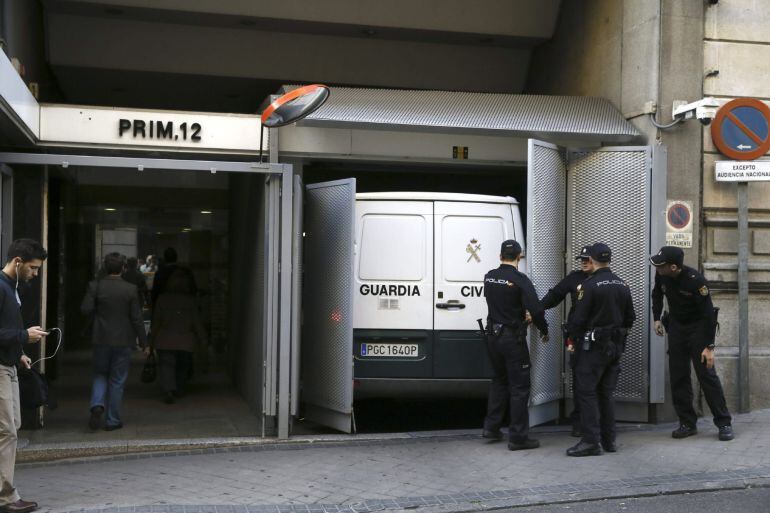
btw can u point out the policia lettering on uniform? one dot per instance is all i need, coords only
(509, 293)
(691, 325)
(599, 327)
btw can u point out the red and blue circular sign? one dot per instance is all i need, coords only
(741, 129)
(678, 216)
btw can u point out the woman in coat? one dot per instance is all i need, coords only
(176, 330)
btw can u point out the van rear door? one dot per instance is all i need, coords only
(393, 289)
(467, 245)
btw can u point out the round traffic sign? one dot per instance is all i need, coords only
(741, 129)
(678, 216)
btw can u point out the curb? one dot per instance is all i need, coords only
(117, 450)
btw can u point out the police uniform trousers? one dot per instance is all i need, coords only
(510, 387)
(685, 345)
(597, 376)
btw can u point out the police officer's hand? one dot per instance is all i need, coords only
(25, 361)
(707, 357)
(527, 317)
(659, 329)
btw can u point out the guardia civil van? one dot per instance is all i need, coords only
(419, 265)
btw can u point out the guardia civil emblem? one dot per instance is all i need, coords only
(473, 248)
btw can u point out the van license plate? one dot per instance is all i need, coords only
(389, 350)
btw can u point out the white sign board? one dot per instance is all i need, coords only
(150, 129)
(742, 171)
(679, 223)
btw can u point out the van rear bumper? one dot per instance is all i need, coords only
(365, 388)
(443, 355)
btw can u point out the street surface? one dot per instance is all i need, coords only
(434, 471)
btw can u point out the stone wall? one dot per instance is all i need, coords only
(736, 64)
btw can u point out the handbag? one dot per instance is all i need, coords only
(150, 369)
(33, 388)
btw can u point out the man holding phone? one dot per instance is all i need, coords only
(691, 326)
(25, 258)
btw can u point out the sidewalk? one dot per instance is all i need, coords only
(456, 471)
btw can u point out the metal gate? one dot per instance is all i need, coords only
(546, 197)
(327, 331)
(610, 201)
(610, 195)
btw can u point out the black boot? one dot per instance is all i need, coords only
(584, 449)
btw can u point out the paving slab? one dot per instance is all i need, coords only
(436, 472)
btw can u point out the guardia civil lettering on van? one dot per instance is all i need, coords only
(389, 290)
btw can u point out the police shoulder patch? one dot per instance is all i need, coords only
(704, 291)
(580, 294)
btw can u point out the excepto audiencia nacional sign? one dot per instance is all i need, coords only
(742, 171)
(150, 129)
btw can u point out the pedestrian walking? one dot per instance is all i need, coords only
(117, 325)
(599, 326)
(571, 285)
(177, 331)
(132, 275)
(25, 258)
(691, 326)
(509, 294)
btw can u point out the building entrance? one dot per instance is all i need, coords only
(210, 225)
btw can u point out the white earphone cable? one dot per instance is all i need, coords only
(58, 345)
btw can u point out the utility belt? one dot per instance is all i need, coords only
(608, 340)
(495, 330)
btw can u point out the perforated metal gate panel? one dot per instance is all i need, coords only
(546, 204)
(609, 201)
(327, 331)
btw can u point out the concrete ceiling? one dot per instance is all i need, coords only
(228, 55)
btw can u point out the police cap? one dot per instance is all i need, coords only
(668, 255)
(585, 253)
(600, 252)
(510, 249)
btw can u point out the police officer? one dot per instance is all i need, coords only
(691, 326)
(509, 293)
(571, 284)
(602, 318)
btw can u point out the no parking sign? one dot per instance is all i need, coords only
(679, 223)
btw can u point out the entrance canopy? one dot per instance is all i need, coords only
(517, 115)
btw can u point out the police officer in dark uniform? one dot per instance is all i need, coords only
(691, 326)
(600, 323)
(509, 293)
(571, 284)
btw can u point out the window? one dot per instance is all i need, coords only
(392, 248)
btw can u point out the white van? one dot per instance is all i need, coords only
(419, 264)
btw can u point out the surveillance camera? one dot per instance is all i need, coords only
(703, 110)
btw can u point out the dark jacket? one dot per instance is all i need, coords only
(509, 293)
(569, 285)
(604, 301)
(176, 323)
(117, 315)
(161, 278)
(12, 333)
(689, 302)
